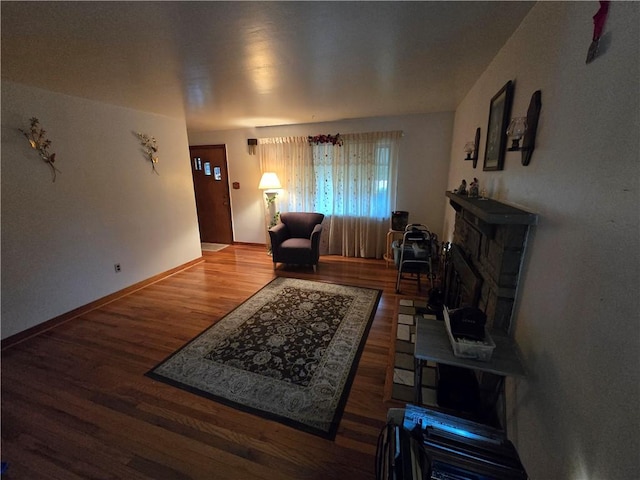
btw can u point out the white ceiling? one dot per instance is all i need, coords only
(226, 65)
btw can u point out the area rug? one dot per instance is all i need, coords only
(402, 387)
(288, 353)
(212, 247)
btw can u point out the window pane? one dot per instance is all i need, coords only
(357, 186)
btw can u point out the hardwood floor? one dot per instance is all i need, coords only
(76, 403)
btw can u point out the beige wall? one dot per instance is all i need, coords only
(422, 170)
(60, 240)
(247, 211)
(577, 414)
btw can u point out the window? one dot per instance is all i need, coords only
(353, 185)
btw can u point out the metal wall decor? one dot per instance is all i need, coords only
(150, 146)
(37, 140)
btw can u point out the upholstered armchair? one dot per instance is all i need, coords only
(296, 240)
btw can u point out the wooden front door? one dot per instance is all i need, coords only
(211, 186)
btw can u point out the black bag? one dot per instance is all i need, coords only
(436, 299)
(468, 322)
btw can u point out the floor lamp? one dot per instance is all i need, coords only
(270, 184)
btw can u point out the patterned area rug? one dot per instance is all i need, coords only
(403, 365)
(289, 353)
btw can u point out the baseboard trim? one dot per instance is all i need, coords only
(250, 244)
(76, 312)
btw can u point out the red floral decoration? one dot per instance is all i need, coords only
(333, 139)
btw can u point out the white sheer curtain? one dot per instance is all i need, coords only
(291, 158)
(353, 184)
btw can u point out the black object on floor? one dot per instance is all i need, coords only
(458, 389)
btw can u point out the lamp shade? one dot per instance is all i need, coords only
(269, 181)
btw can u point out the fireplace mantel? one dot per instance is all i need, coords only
(491, 211)
(489, 239)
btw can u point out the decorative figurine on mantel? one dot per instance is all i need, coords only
(462, 189)
(473, 188)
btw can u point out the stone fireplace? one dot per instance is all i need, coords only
(485, 258)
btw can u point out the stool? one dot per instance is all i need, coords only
(391, 235)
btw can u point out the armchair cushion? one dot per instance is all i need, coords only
(296, 240)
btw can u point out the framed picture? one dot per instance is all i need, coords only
(499, 111)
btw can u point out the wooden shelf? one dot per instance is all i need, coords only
(491, 211)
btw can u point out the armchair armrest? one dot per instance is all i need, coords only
(315, 238)
(278, 234)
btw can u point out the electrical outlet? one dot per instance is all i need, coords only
(117, 268)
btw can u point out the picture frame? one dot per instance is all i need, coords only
(499, 112)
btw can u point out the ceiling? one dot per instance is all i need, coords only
(225, 65)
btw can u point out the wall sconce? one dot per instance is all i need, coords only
(515, 132)
(252, 143)
(471, 148)
(525, 128)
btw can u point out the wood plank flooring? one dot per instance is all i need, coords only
(76, 403)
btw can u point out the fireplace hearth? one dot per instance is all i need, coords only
(485, 259)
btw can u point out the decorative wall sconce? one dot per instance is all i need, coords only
(525, 128)
(252, 143)
(471, 148)
(150, 146)
(39, 142)
(515, 132)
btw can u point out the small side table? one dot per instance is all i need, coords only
(432, 343)
(391, 235)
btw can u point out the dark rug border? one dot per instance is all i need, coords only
(335, 422)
